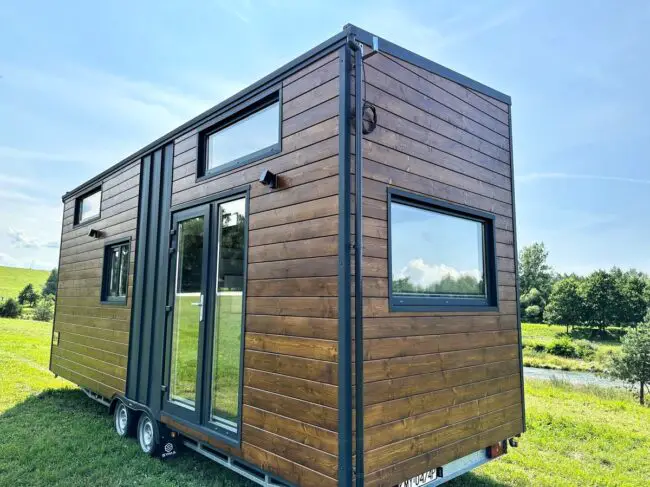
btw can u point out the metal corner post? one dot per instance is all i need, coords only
(516, 256)
(358, 264)
(344, 277)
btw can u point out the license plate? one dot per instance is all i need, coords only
(419, 480)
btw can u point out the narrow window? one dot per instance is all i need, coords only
(87, 207)
(442, 255)
(116, 273)
(229, 305)
(246, 137)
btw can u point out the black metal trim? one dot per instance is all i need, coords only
(76, 223)
(516, 258)
(231, 117)
(431, 303)
(344, 277)
(103, 299)
(358, 267)
(139, 278)
(424, 63)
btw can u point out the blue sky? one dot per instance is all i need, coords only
(84, 84)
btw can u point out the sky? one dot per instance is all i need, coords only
(85, 84)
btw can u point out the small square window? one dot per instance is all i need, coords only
(87, 207)
(441, 255)
(250, 135)
(116, 273)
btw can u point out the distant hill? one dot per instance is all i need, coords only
(14, 279)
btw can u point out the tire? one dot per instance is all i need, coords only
(124, 420)
(147, 435)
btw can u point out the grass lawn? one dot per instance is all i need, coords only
(576, 436)
(542, 333)
(14, 279)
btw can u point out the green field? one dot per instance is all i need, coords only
(542, 333)
(226, 346)
(576, 436)
(14, 279)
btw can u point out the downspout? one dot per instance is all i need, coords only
(358, 261)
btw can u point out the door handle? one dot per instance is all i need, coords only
(200, 305)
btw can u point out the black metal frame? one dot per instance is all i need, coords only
(228, 119)
(435, 303)
(76, 222)
(199, 418)
(104, 298)
(191, 415)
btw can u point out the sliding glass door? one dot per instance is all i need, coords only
(204, 359)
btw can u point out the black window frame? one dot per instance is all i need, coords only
(400, 303)
(77, 206)
(230, 118)
(106, 268)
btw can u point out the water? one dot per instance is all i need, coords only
(584, 378)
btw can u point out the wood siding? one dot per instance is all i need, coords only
(290, 358)
(437, 386)
(94, 337)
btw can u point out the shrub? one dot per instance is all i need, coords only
(562, 347)
(44, 311)
(535, 346)
(585, 349)
(10, 309)
(533, 314)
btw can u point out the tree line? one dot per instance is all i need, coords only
(600, 299)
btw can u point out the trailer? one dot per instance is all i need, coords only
(312, 283)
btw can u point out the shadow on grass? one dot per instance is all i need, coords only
(472, 479)
(60, 437)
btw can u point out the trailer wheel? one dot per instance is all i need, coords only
(124, 420)
(147, 435)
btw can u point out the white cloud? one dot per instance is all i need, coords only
(423, 274)
(19, 239)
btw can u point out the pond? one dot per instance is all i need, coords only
(583, 378)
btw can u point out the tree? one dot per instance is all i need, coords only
(632, 288)
(10, 309)
(565, 304)
(28, 295)
(532, 306)
(601, 300)
(49, 288)
(534, 272)
(633, 363)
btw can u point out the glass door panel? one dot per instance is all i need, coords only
(228, 308)
(188, 312)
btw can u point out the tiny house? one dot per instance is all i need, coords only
(312, 283)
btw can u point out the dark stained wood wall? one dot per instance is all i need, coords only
(94, 337)
(436, 385)
(290, 376)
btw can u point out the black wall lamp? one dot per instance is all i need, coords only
(93, 233)
(267, 178)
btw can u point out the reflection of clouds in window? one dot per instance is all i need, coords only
(436, 253)
(423, 274)
(258, 131)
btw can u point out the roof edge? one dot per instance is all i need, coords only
(320, 50)
(382, 45)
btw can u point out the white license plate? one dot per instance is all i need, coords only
(419, 480)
